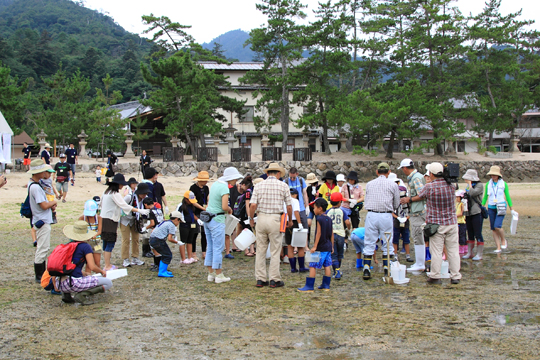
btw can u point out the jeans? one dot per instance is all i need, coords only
(108, 246)
(161, 247)
(358, 243)
(474, 228)
(337, 255)
(402, 232)
(495, 221)
(215, 239)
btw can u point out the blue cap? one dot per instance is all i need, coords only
(90, 208)
(294, 191)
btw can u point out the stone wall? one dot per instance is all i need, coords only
(513, 171)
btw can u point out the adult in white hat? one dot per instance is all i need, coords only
(267, 201)
(78, 284)
(46, 154)
(496, 196)
(442, 220)
(474, 219)
(417, 212)
(42, 215)
(218, 206)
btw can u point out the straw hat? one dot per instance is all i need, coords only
(37, 166)
(231, 173)
(494, 170)
(311, 178)
(275, 167)
(258, 181)
(47, 145)
(471, 175)
(202, 176)
(79, 231)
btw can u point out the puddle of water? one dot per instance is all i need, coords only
(517, 319)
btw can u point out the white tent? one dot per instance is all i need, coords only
(6, 135)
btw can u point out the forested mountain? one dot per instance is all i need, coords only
(232, 44)
(36, 36)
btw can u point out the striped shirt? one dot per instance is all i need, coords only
(270, 196)
(441, 203)
(382, 195)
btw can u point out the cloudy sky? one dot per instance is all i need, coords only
(211, 18)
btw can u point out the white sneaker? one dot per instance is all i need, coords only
(416, 267)
(136, 261)
(212, 277)
(285, 259)
(126, 263)
(496, 251)
(476, 258)
(221, 279)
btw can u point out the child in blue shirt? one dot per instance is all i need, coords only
(340, 221)
(324, 243)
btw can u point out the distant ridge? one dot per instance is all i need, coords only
(232, 43)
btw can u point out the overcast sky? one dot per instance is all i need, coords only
(211, 18)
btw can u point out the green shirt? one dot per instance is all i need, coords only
(217, 191)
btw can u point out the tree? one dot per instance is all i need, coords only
(500, 69)
(278, 44)
(329, 60)
(11, 92)
(170, 36)
(136, 126)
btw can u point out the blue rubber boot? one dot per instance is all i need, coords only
(162, 272)
(338, 274)
(310, 282)
(325, 283)
(359, 264)
(301, 265)
(292, 262)
(428, 259)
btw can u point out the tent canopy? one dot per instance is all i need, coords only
(4, 126)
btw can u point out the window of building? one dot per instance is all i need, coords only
(290, 145)
(248, 116)
(247, 144)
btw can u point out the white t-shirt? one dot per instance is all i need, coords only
(295, 207)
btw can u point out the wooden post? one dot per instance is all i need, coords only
(54, 151)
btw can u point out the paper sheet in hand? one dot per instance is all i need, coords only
(513, 224)
(402, 219)
(115, 274)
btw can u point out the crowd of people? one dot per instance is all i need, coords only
(443, 222)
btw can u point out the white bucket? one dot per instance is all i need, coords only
(244, 239)
(299, 237)
(268, 253)
(315, 257)
(398, 271)
(444, 270)
(230, 224)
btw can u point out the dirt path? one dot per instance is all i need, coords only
(494, 313)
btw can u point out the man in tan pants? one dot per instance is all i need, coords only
(128, 227)
(267, 201)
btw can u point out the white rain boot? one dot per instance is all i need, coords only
(470, 247)
(420, 256)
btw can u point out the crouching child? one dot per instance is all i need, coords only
(164, 232)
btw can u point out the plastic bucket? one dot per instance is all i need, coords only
(315, 257)
(244, 240)
(394, 270)
(402, 272)
(444, 268)
(230, 224)
(268, 253)
(299, 237)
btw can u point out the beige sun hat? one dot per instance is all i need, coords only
(471, 175)
(311, 178)
(37, 166)
(275, 167)
(79, 231)
(202, 176)
(494, 170)
(258, 181)
(47, 145)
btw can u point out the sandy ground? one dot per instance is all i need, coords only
(494, 313)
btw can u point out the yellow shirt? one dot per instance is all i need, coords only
(459, 208)
(326, 192)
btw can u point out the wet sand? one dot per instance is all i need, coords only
(493, 313)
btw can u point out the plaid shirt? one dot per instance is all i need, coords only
(270, 196)
(382, 195)
(441, 203)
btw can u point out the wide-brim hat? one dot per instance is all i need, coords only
(329, 175)
(231, 173)
(79, 231)
(257, 181)
(142, 188)
(47, 145)
(118, 179)
(37, 166)
(132, 180)
(471, 175)
(275, 167)
(311, 178)
(494, 170)
(202, 176)
(353, 175)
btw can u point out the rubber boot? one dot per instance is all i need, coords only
(325, 283)
(420, 257)
(163, 270)
(338, 274)
(82, 298)
(367, 264)
(66, 297)
(146, 249)
(97, 290)
(292, 262)
(470, 247)
(385, 264)
(359, 264)
(39, 269)
(301, 265)
(479, 252)
(428, 259)
(310, 282)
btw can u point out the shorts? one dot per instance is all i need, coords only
(108, 246)
(26, 161)
(495, 221)
(62, 187)
(289, 233)
(402, 232)
(311, 215)
(324, 261)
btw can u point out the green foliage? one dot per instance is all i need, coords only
(358, 150)
(168, 35)
(12, 103)
(492, 149)
(136, 127)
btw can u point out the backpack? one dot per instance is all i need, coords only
(60, 262)
(26, 210)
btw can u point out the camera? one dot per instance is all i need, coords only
(451, 172)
